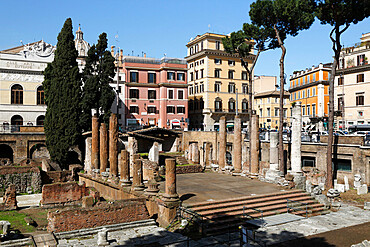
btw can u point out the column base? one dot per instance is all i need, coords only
(138, 187)
(273, 175)
(170, 198)
(125, 183)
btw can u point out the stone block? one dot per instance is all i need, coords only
(339, 187)
(362, 190)
(87, 201)
(356, 184)
(309, 186)
(346, 183)
(300, 182)
(154, 153)
(367, 205)
(289, 177)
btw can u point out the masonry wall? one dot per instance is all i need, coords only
(22, 177)
(62, 193)
(102, 214)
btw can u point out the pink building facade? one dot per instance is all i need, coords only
(155, 92)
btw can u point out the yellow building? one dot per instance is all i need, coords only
(218, 83)
(311, 88)
(267, 102)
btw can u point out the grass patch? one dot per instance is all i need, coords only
(185, 165)
(16, 220)
(351, 196)
(173, 153)
(143, 154)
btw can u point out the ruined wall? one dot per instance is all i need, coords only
(102, 214)
(62, 193)
(22, 177)
(189, 169)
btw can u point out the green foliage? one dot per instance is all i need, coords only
(62, 84)
(97, 74)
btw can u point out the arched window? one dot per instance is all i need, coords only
(40, 96)
(40, 120)
(17, 94)
(218, 105)
(231, 105)
(17, 120)
(245, 105)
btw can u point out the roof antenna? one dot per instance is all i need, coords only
(209, 28)
(22, 42)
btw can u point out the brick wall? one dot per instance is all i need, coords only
(22, 177)
(102, 214)
(63, 193)
(189, 169)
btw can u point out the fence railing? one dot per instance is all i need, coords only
(296, 206)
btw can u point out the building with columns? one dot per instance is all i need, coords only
(218, 83)
(21, 91)
(154, 93)
(352, 85)
(311, 88)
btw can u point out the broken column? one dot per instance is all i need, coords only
(10, 198)
(237, 145)
(103, 148)
(88, 164)
(95, 142)
(137, 176)
(170, 189)
(195, 153)
(207, 155)
(254, 144)
(132, 148)
(222, 146)
(125, 169)
(296, 139)
(113, 145)
(273, 173)
(154, 153)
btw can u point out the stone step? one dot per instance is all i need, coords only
(46, 239)
(181, 160)
(261, 205)
(265, 196)
(249, 201)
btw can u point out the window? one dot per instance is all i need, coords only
(17, 94)
(180, 110)
(244, 105)
(360, 78)
(201, 87)
(342, 165)
(340, 104)
(245, 88)
(308, 110)
(218, 105)
(276, 112)
(313, 91)
(360, 59)
(261, 112)
(171, 76)
(308, 93)
(152, 110)
(180, 94)
(201, 45)
(231, 87)
(134, 109)
(134, 77)
(308, 78)
(314, 77)
(304, 80)
(217, 87)
(196, 88)
(170, 109)
(152, 94)
(40, 96)
(308, 161)
(340, 81)
(231, 63)
(244, 75)
(276, 100)
(231, 74)
(285, 112)
(218, 61)
(217, 45)
(360, 100)
(217, 73)
(303, 96)
(231, 105)
(151, 78)
(170, 94)
(201, 73)
(268, 112)
(196, 75)
(181, 76)
(16, 120)
(191, 76)
(40, 120)
(191, 90)
(134, 93)
(303, 110)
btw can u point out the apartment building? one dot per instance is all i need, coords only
(311, 88)
(155, 92)
(352, 85)
(218, 83)
(267, 102)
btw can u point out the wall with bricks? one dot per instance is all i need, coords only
(22, 177)
(189, 169)
(63, 193)
(102, 214)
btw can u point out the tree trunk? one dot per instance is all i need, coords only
(250, 104)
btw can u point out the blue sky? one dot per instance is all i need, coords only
(160, 27)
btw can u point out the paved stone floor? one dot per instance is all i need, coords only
(315, 231)
(27, 200)
(200, 187)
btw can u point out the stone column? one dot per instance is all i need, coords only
(207, 155)
(137, 176)
(103, 148)
(95, 142)
(125, 168)
(170, 189)
(88, 164)
(113, 145)
(237, 145)
(222, 147)
(296, 139)
(154, 153)
(195, 153)
(254, 142)
(273, 173)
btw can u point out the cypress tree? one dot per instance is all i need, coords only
(97, 74)
(62, 84)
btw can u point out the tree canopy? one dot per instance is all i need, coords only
(97, 74)
(62, 85)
